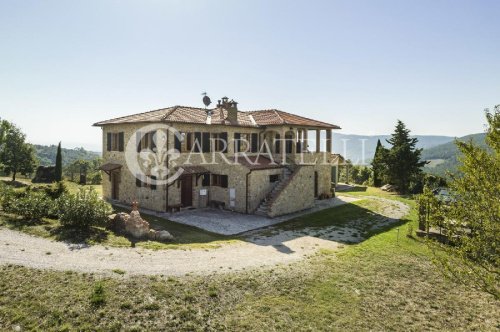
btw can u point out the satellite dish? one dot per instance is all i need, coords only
(206, 99)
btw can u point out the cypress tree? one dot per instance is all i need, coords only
(58, 170)
(378, 164)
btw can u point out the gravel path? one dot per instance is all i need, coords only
(281, 248)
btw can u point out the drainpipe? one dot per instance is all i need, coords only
(246, 199)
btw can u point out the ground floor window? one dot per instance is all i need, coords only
(219, 180)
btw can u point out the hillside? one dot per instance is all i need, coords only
(354, 145)
(47, 154)
(444, 157)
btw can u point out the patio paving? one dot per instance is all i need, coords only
(230, 223)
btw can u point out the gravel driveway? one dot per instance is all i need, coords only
(258, 251)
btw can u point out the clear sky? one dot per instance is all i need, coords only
(359, 64)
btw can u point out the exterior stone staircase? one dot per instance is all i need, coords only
(286, 176)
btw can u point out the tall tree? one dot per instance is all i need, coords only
(473, 218)
(379, 164)
(403, 159)
(58, 169)
(16, 156)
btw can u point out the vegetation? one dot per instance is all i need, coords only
(472, 220)
(445, 158)
(88, 168)
(16, 156)
(378, 164)
(83, 209)
(32, 205)
(47, 155)
(383, 283)
(58, 168)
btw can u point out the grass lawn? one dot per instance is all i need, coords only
(383, 283)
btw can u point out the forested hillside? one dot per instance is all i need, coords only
(444, 157)
(47, 154)
(354, 145)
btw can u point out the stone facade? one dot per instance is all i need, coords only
(297, 195)
(248, 186)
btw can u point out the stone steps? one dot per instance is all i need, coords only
(263, 208)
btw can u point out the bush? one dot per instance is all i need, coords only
(31, 204)
(83, 209)
(55, 190)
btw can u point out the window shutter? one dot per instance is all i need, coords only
(121, 141)
(152, 140)
(153, 183)
(138, 182)
(108, 141)
(223, 141)
(224, 181)
(189, 142)
(206, 142)
(138, 140)
(237, 142)
(255, 142)
(177, 143)
(206, 180)
(197, 142)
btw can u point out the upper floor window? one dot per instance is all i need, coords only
(246, 142)
(115, 141)
(146, 141)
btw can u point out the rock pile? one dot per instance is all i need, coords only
(132, 224)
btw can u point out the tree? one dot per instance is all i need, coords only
(472, 220)
(379, 164)
(403, 159)
(16, 156)
(58, 168)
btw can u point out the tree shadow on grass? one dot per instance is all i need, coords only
(74, 235)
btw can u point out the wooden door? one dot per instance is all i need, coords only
(115, 185)
(187, 190)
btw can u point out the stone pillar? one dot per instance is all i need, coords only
(305, 141)
(329, 140)
(318, 141)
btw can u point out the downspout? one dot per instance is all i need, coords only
(246, 199)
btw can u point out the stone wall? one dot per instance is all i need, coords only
(297, 195)
(260, 186)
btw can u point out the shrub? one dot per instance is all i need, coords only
(83, 209)
(30, 204)
(55, 190)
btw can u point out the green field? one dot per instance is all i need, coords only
(387, 282)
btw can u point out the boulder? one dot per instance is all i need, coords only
(116, 222)
(164, 236)
(136, 226)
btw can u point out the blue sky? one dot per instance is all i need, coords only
(359, 64)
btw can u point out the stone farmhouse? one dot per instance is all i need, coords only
(266, 162)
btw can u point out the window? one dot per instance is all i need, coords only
(277, 144)
(274, 178)
(205, 182)
(146, 141)
(241, 142)
(219, 180)
(115, 141)
(205, 146)
(220, 142)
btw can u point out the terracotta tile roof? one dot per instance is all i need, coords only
(185, 114)
(277, 117)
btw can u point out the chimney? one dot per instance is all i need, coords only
(232, 111)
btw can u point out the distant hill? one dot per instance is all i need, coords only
(47, 154)
(354, 145)
(444, 157)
